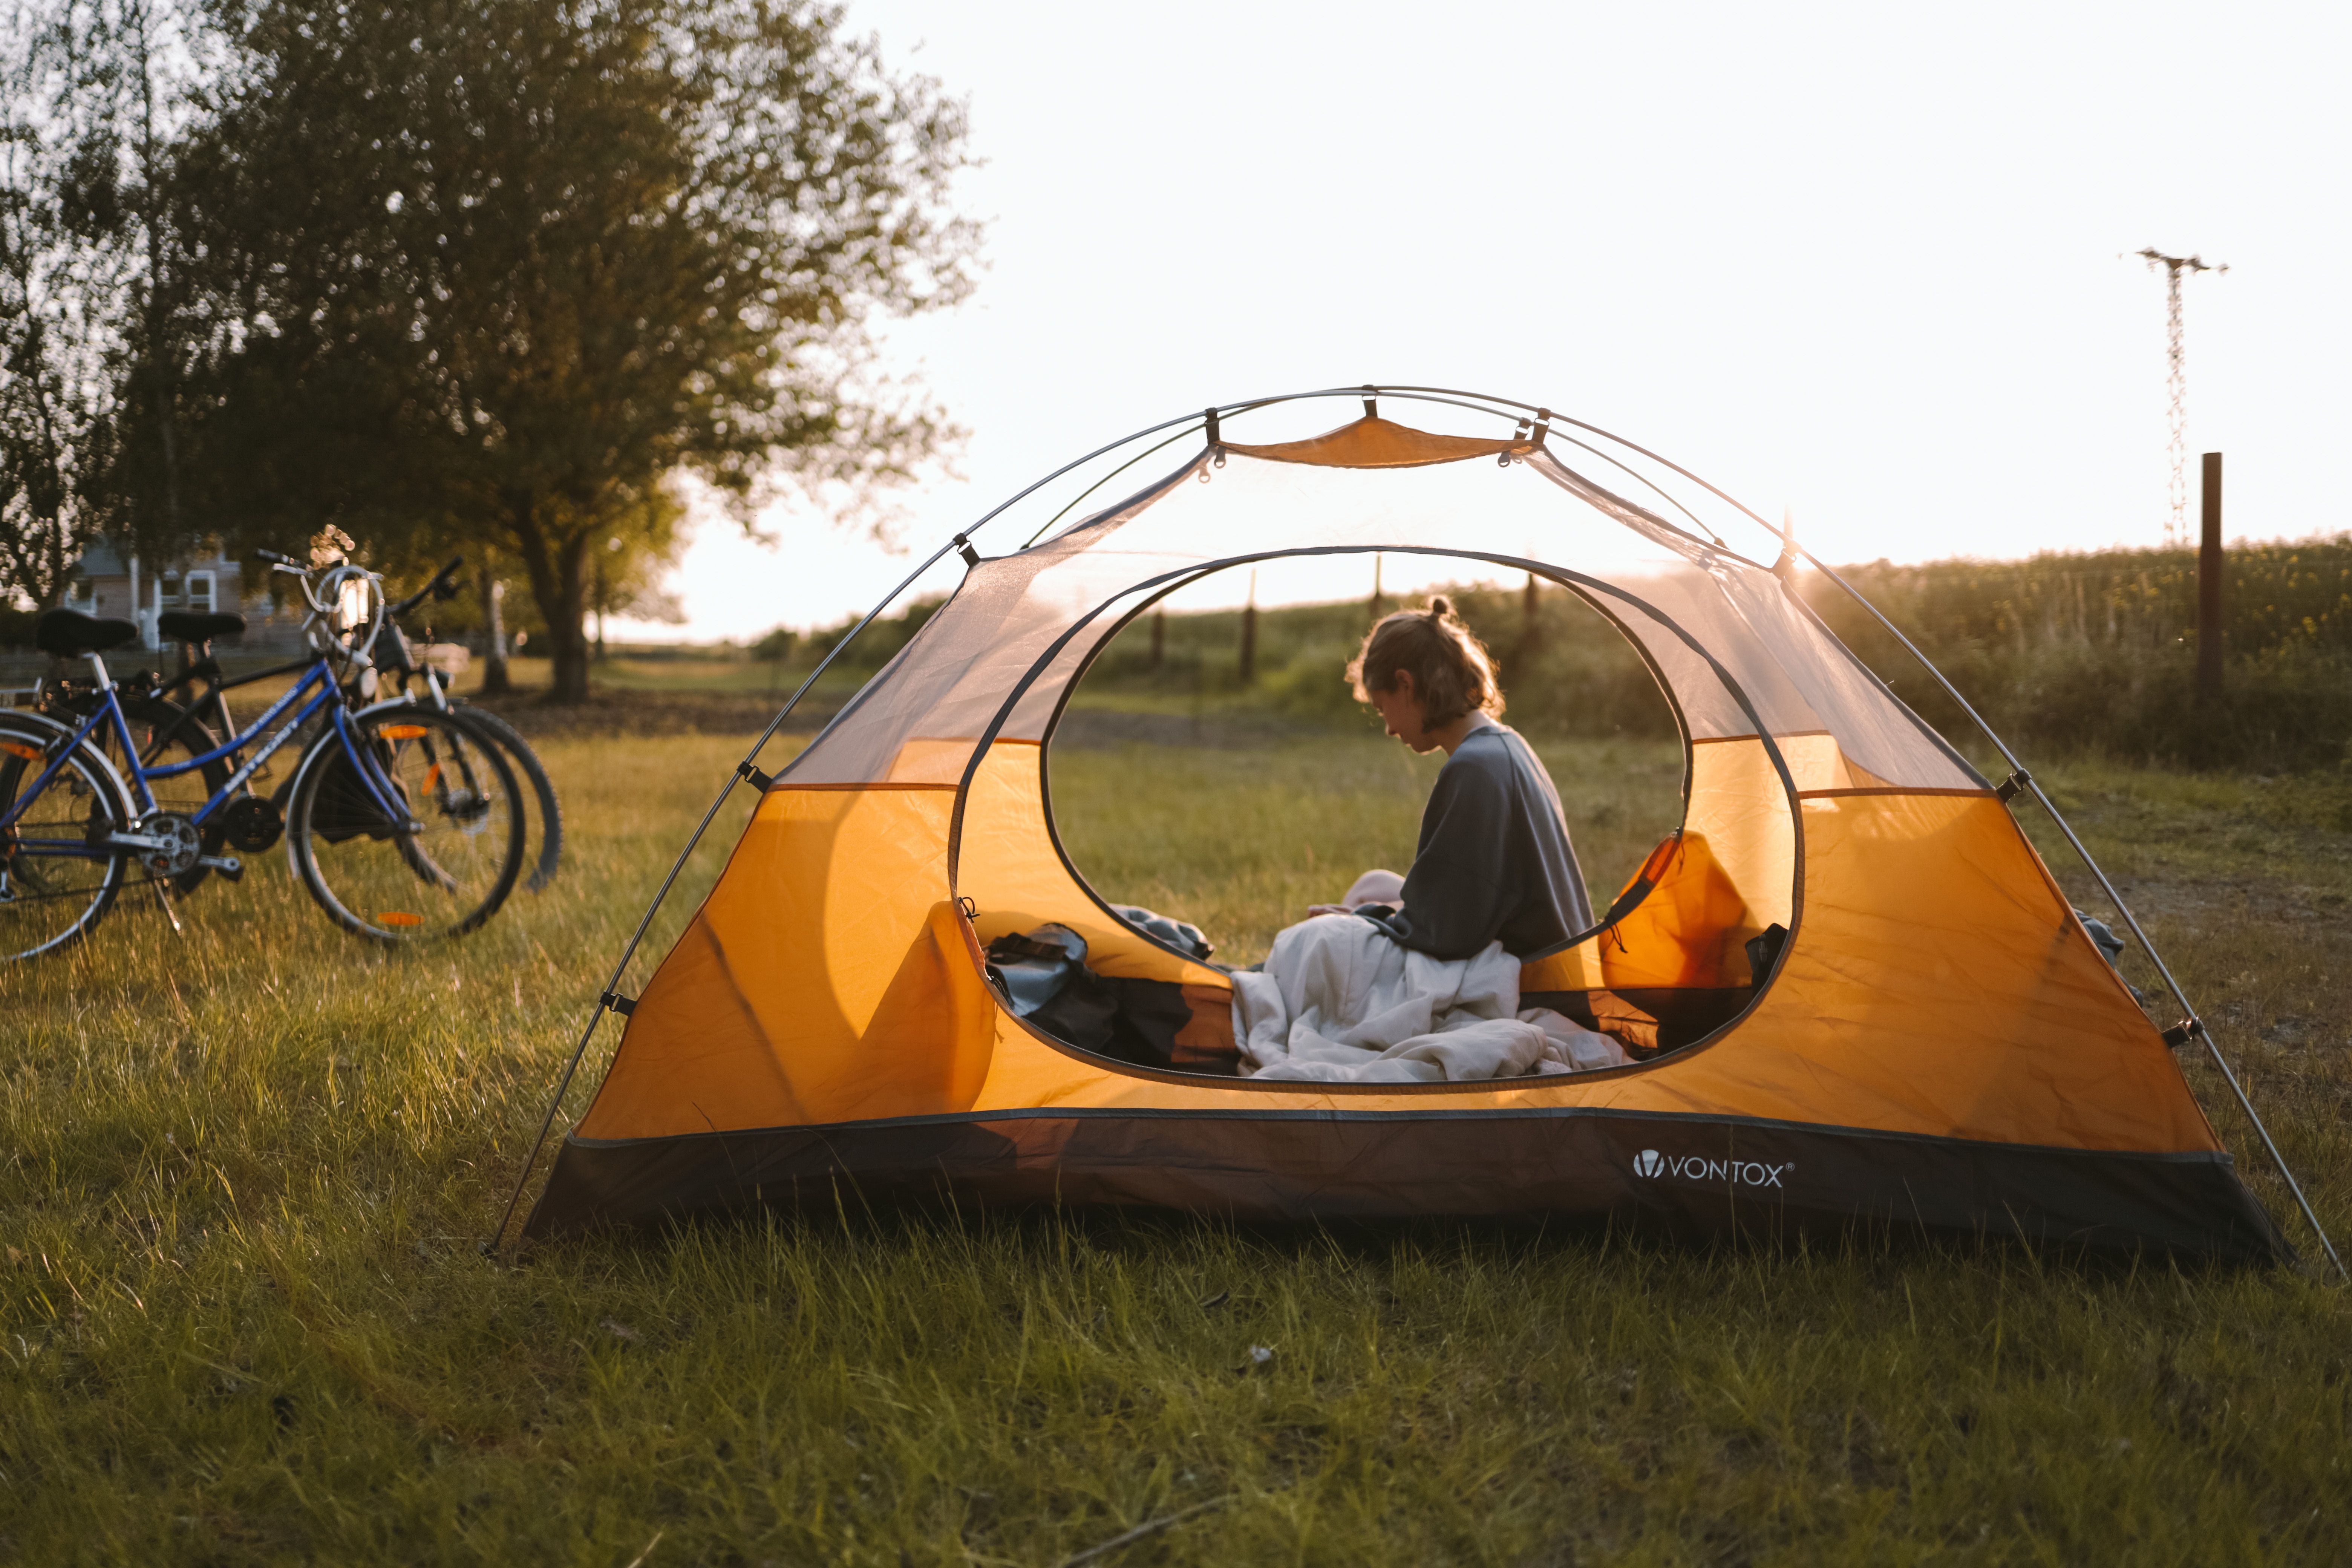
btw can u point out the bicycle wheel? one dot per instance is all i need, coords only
(543, 789)
(53, 887)
(184, 794)
(440, 868)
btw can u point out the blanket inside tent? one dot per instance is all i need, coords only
(1338, 1000)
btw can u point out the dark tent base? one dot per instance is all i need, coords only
(1686, 1177)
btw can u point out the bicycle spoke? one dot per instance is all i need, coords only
(443, 863)
(52, 885)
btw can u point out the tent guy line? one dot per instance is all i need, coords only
(2192, 1023)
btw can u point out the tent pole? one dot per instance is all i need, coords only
(1441, 394)
(2213, 1047)
(1106, 478)
(579, 1052)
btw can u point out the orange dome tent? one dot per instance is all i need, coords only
(1937, 1043)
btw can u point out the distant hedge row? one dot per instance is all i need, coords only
(2097, 652)
(2065, 655)
(1565, 670)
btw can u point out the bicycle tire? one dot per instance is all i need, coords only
(543, 788)
(91, 801)
(425, 878)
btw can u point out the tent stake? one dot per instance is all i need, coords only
(2213, 1047)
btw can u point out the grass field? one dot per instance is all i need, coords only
(244, 1320)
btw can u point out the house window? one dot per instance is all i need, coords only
(199, 593)
(167, 591)
(81, 594)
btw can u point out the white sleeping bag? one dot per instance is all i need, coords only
(1338, 1000)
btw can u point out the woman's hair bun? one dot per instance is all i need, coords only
(1452, 673)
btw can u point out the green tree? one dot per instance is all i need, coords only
(96, 324)
(63, 268)
(496, 269)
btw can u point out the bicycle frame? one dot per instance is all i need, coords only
(317, 688)
(215, 691)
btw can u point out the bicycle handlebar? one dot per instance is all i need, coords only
(443, 586)
(356, 648)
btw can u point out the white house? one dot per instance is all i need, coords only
(104, 584)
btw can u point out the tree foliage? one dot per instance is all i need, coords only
(97, 316)
(492, 270)
(474, 275)
(63, 270)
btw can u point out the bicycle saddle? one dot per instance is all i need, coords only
(188, 626)
(68, 633)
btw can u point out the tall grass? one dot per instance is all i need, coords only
(1566, 671)
(2070, 655)
(242, 1318)
(2097, 652)
(1220, 838)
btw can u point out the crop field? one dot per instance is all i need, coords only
(243, 1318)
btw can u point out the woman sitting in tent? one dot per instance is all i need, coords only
(1493, 862)
(1418, 977)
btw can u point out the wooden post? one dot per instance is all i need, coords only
(2209, 634)
(1249, 634)
(1519, 663)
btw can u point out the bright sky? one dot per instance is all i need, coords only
(1859, 262)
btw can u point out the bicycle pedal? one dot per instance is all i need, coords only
(227, 866)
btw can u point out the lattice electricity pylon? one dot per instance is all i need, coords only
(2176, 528)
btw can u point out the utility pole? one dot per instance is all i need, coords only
(2176, 530)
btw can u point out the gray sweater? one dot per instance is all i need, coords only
(1494, 859)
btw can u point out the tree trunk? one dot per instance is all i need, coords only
(557, 570)
(571, 658)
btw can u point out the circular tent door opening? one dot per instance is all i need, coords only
(1213, 766)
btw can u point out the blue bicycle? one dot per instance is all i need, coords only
(402, 821)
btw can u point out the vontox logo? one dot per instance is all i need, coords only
(1650, 1163)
